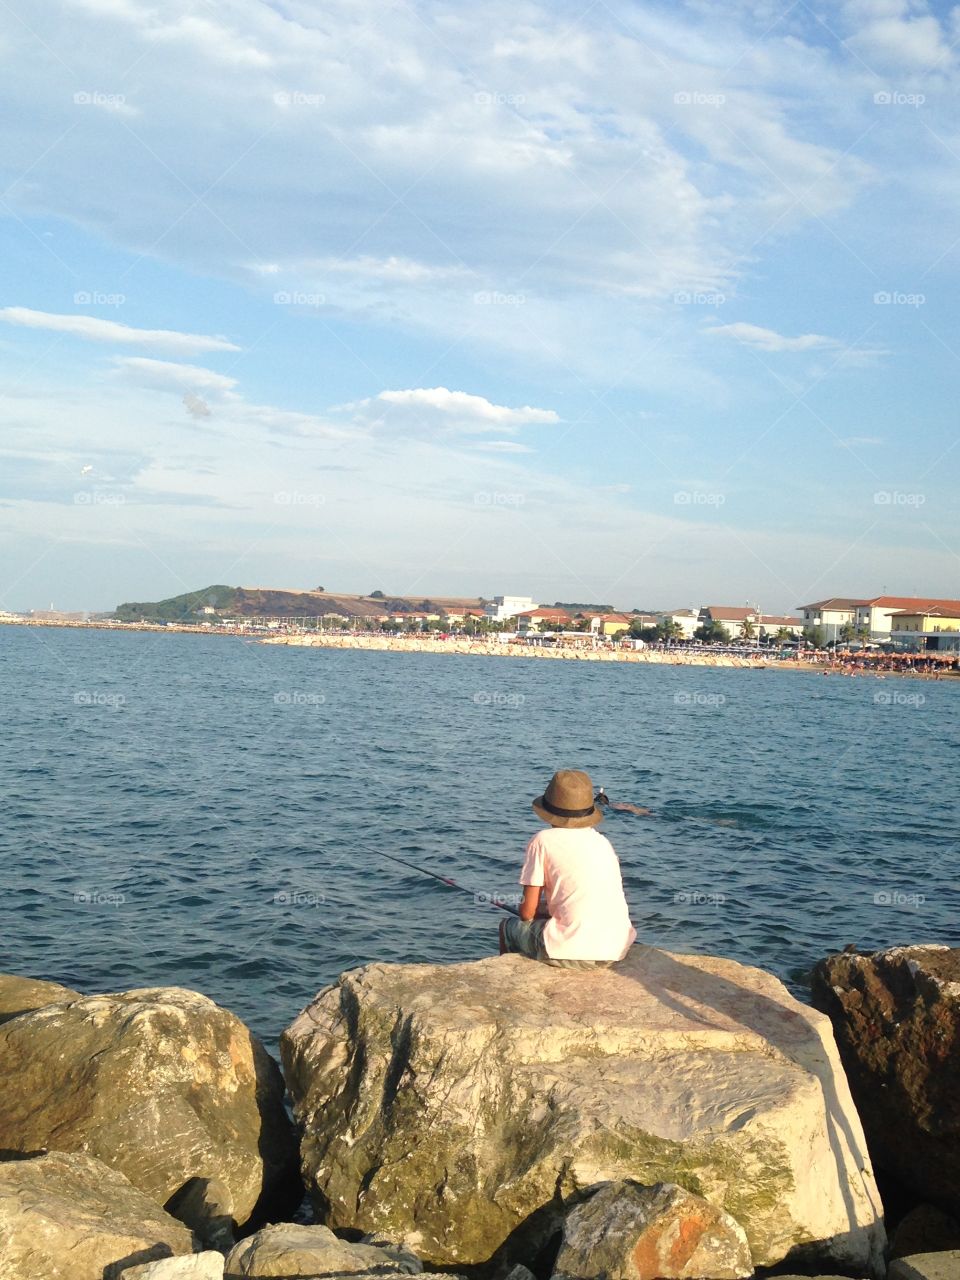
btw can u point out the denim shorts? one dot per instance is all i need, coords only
(525, 937)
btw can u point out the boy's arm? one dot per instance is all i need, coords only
(530, 902)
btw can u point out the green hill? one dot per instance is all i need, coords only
(268, 602)
(185, 608)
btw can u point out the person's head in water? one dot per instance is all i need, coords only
(568, 801)
(601, 797)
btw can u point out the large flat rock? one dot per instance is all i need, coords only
(69, 1217)
(162, 1084)
(461, 1108)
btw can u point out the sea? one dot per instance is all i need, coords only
(216, 813)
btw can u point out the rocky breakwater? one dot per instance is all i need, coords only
(896, 1015)
(464, 1110)
(152, 1097)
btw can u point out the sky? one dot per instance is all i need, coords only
(645, 304)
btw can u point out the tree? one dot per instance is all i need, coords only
(847, 632)
(712, 633)
(374, 595)
(747, 629)
(320, 589)
(667, 629)
(783, 634)
(816, 635)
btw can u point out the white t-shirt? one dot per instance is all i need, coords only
(578, 868)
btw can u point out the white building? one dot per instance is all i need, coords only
(505, 607)
(686, 619)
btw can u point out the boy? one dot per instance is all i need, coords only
(587, 922)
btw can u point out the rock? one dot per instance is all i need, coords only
(925, 1229)
(69, 1217)
(461, 1108)
(896, 1015)
(196, 1266)
(21, 995)
(161, 1084)
(626, 1231)
(206, 1207)
(926, 1266)
(519, 1272)
(288, 1249)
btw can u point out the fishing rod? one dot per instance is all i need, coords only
(490, 899)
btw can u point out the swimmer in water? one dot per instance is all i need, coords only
(620, 806)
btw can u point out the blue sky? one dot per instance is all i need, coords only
(648, 304)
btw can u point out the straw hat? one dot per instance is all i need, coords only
(568, 801)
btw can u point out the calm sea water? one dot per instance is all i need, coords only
(209, 812)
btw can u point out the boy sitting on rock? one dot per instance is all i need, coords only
(586, 922)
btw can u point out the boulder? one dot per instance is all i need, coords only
(67, 1216)
(896, 1016)
(21, 995)
(926, 1266)
(462, 1108)
(288, 1249)
(195, 1266)
(925, 1229)
(161, 1084)
(626, 1231)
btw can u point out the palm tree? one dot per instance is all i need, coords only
(747, 629)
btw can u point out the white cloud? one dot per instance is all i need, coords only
(753, 335)
(440, 408)
(897, 34)
(165, 375)
(206, 394)
(502, 446)
(96, 330)
(394, 269)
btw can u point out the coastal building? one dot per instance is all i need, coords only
(686, 619)
(504, 607)
(870, 618)
(608, 624)
(935, 628)
(771, 623)
(732, 617)
(541, 619)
